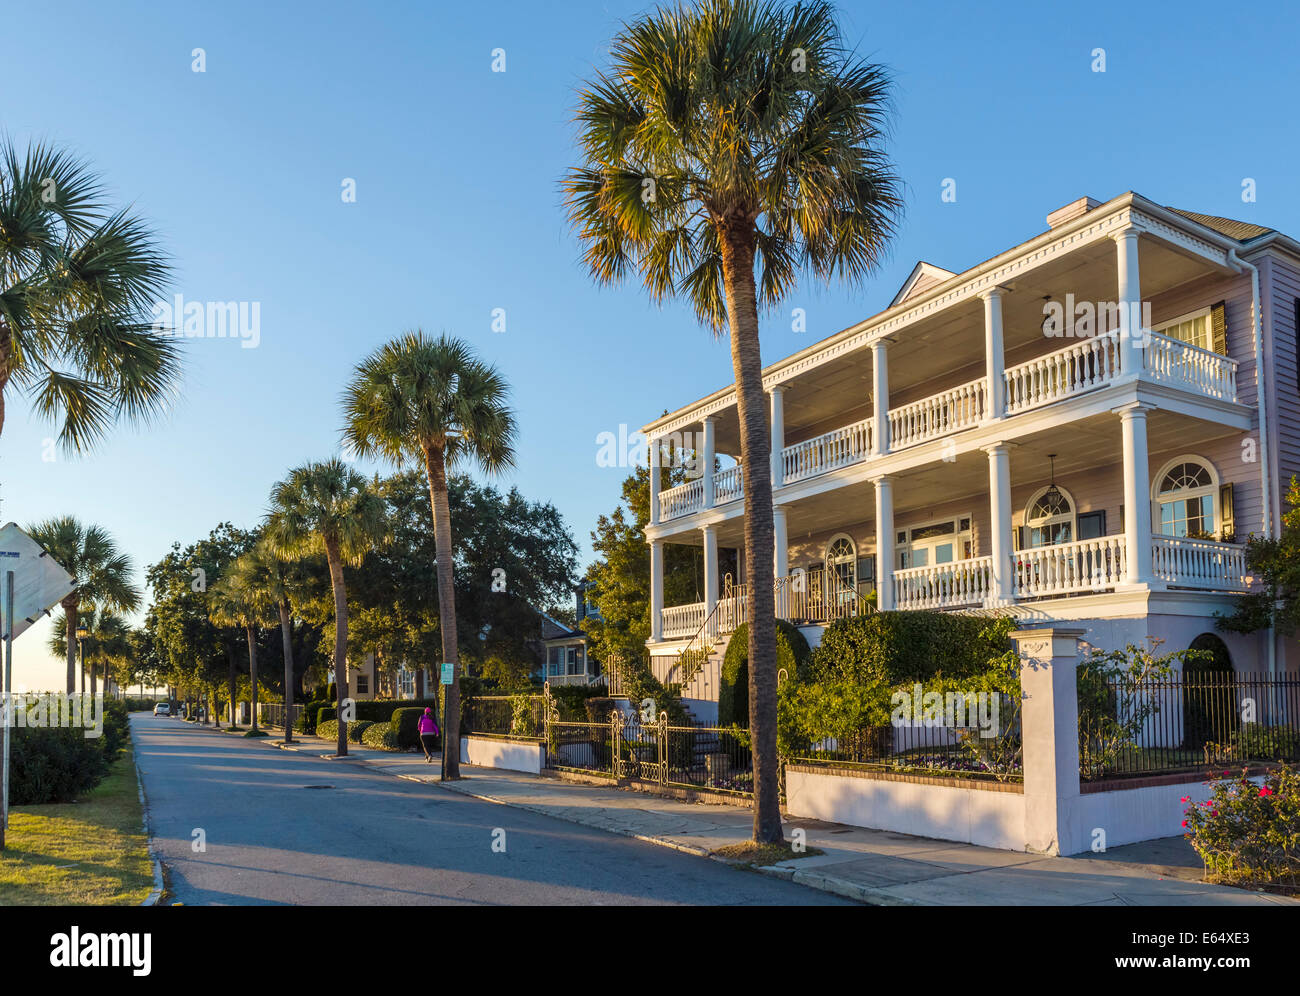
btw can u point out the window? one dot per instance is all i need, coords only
(1192, 329)
(936, 543)
(842, 562)
(363, 683)
(1092, 525)
(1186, 492)
(576, 664)
(1048, 523)
(554, 662)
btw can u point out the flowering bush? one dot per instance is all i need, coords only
(1249, 834)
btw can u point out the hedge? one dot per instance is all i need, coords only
(406, 725)
(733, 688)
(897, 647)
(380, 736)
(357, 730)
(54, 764)
(328, 730)
(377, 710)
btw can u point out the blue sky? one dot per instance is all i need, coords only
(457, 208)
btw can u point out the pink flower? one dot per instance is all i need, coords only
(1265, 791)
(1184, 823)
(1185, 798)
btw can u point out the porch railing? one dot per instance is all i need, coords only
(938, 415)
(1190, 367)
(818, 596)
(682, 620)
(1076, 369)
(941, 586)
(1198, 563)
(829, 451)
(728, 485)
(681, 500)
(1092, 564)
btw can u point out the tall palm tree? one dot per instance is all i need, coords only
(724, 136)
(78, 281)
(232, 601)
(107, 640)
(433, 401)
(264, 581)
(327, 508)
(101, 574)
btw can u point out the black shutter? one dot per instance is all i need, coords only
(1227, 511)
(1219, 329)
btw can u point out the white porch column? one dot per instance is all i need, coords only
(1049, 723)
(1000, 517)
(710, 569)
(1137, 495)
(706, 456)
(778, 436)
(880, 397)
(780, 557)
(885, 543)
(656, 455)
(1129, 299)
(994, 360)
(656, 590)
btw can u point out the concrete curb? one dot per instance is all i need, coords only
(156, 894)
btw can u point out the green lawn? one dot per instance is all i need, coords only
(91, 852)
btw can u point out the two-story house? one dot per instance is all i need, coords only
(1084, 427)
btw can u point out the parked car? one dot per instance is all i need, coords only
(162, 709)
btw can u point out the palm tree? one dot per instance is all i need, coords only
(107, 640)
(434, 401)
(101, 575)
(327, 508)
(232, 601)
(725, 135)
(77, 285)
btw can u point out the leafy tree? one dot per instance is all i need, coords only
(327, 508)
(77, 283)
(1275, 564)
(235, 601)
(725, 136)
(101, 573)
(434, 401)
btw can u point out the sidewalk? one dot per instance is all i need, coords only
(872, 866)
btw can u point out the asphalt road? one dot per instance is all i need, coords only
(283, 827)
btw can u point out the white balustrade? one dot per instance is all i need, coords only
(837, 448)
(938, 415)
(1199, 563)
(683, 620)
(728, 485)
(942, 586)
(681, 500)
(1169, 361)
(1079, 367)
(1066, 568)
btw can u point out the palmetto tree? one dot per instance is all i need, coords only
(327, 508)
(101, 574)
(432, 401)
(726, 136)
(107, 640)
(77, 284)
(233, 601)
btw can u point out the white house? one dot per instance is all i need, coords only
(1084, 427)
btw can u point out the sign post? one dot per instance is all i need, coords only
(447, 670)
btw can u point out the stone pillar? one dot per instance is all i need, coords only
(1049, 723)
(885, 543)
(994, 359)
(656, 590)
(1002, 581)
(1137, 496)
(880, 396)
(778, 436)
(1129, 299)
(656, 457)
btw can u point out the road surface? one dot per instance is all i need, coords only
(241, 823)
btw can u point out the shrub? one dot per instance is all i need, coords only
(357, 730)
(406, 724)
(1254, 741)
(598, 708)
(894, 648)
(53, 764)
(117, 728)
(328, 730)
(571, 700)
(380, 736)
(1249, 834)
(733, 690)
(377, 710)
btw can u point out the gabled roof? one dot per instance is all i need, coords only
(1242, 231)
(924, 276)
(553, 630)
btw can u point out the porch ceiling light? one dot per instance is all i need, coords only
(1052, 497)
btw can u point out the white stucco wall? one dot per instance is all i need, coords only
(510, 755)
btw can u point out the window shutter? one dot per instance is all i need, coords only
(1219, 329)
(1228, 528)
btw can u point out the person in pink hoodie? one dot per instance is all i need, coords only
(428, 732)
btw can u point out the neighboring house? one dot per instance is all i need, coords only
(1073, 430)
(565, 657)
(363, 679)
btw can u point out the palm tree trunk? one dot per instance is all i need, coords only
(233, 679)
(286, 633)
(252, 677)
(94, 679)
(70, 619)
(436, 470)
(755, 451)
(340, 638)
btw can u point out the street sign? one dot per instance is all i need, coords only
(39, 581)
(447, 669)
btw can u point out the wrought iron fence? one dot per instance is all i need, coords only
(272, 713)
(1201, 721)
(522, 716)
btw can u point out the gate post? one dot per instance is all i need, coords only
(661, 727)
(616, 742)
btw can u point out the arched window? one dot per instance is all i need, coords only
(842, 560)
(1186, 499)
(1049, 519)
